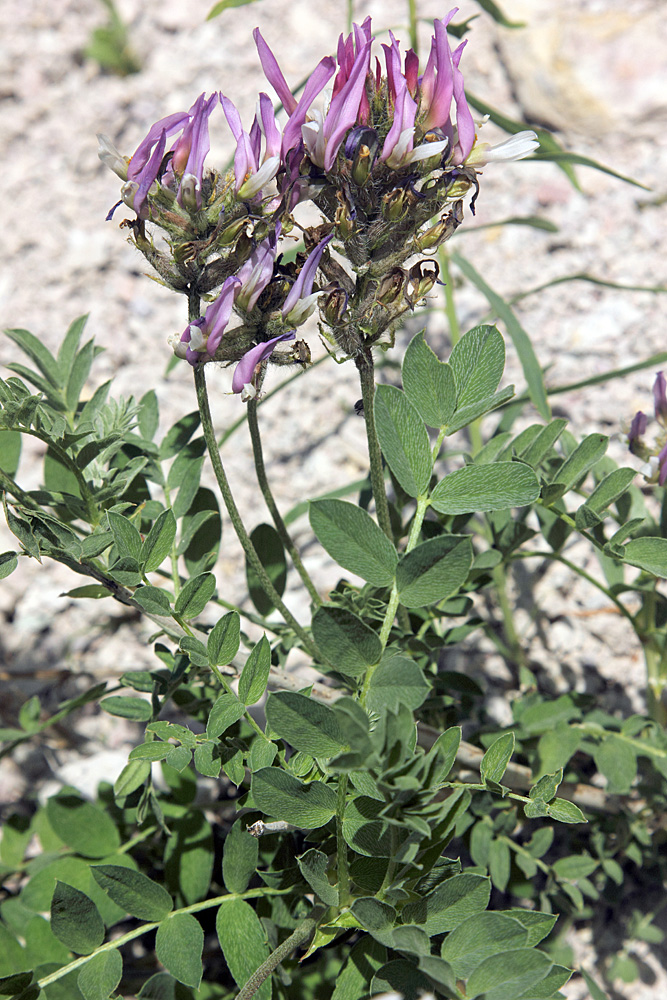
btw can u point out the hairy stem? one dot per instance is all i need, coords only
(392, 606)
(269, 499)
(283, 951)
(136, 932)
(366, 369)
(235, 516)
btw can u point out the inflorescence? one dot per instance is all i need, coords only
(387, 156)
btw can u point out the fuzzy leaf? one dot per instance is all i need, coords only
(280, 795)
(75, 920)
(354, 540)
(179, 944)
(403, 439)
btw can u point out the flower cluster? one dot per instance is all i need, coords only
(654, 454)
(386, 155)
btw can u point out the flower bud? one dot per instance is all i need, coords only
(390, 287)
(189, 193)
(334, 306)
(232, 231)
(660, 398)
(432, 237)
(637, 430)
(394, 205)
(344, 221)
(361, 147)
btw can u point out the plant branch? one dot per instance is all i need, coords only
(299, 936)
(235, 516)
(145, 928)
(366, 368)
(269, 499)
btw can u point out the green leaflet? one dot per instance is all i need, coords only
(354, 540)
(486, 487)
(281, 796)
(179, 944)
(304, 723)
(403, 439)
(243, 942)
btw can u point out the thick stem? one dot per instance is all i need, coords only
(235, 517)
(281, 528)
(283, 951)
(366, 369)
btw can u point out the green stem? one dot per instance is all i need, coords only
(412, 14)
(146, 928)
(556, 557)
(392, 606)
(235, 517)
(173, 555)
(92, 511)
(299, 936)
(518, 849)
(645, 626)
(281, 528)
(341, 846)
(366, 368)
(509, 628)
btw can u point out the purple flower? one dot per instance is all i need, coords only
(191, 150)
(297, 110)
(300, 303)
(637, 429)
(442, 81)
(660, 399)
(188, 157)
(251, 170)
(465, 126)
(201, 339)
(257, 271)
(245, 369)
(662, 466)
(323, 135)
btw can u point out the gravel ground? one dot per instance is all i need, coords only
(594, 70)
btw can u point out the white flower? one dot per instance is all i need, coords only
(110, 156)
(515, 148)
